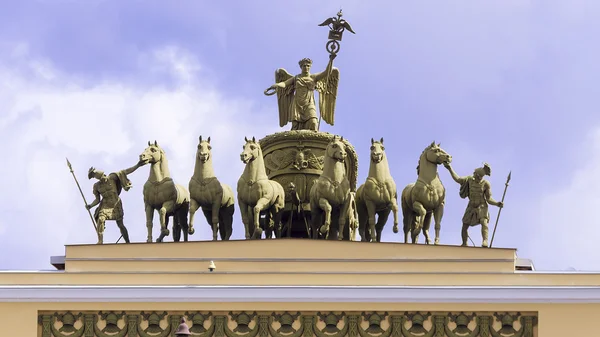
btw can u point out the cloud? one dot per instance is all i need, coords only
(47, 115)
(567, 219)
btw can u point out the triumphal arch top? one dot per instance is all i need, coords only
(312, 264)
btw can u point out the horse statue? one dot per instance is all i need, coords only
(215, 198)
(163, 195)
(425, 197)
(256, 193)
(330, 195)
(377, 196)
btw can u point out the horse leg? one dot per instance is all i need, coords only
(194, 205)
(417, 223)
(166, 207)
(407, 220)
(244, 211)
(395, 212)
(334, 231)
(250, 222)
(407, 215)
(182, 218)
(344, 217)
(149, 218)
(315, 220)
(326, 207)
(207, 214)
(226, 221)
(426, 226)
(176, 229)
(269, 225)
(362, 220)
(261, 205)
(216, 206)
(371, 209)
(222, 226)
(382, 218)
(438, 213)
(276, 215)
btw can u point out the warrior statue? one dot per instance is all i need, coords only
(296, 95)
(479, 192)
(108, 187)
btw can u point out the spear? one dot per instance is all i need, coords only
(500, 209)
(83, 196)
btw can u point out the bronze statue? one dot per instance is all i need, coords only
(206, 191)
(426, 196)
(163, 195)
(256, 193)
(330, 194)
(296, 95)
(479, 192)
(107, 191)
(377, 196)
(337, 26)
(295, 206)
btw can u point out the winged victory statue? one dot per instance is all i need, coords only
(296, 94)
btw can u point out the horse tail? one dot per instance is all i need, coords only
(182, 207)
(226, 221)
(228, 198)
(406, 204)
(278, 194)
(361, 208)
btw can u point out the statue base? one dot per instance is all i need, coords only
(254, 258)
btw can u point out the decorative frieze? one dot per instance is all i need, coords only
(288, 324)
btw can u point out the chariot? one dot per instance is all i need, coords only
(295, 160)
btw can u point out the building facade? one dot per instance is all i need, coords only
(293, 288)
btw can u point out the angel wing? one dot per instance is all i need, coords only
(285, 97)
(327, 95)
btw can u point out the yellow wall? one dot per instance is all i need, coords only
(298, 263)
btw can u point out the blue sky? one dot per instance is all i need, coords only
(512, 83)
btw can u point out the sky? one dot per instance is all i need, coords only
(512, 83)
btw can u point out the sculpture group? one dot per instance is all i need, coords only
(303, 185)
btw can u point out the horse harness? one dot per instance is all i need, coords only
(380, 184)
(252, 182)
(204, 181)
(335, 184)
(428, 186)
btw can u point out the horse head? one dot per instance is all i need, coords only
(204, 148)
(152, 154)
(436, 155)
(377, 151)
(336, 149)
(251, 150)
